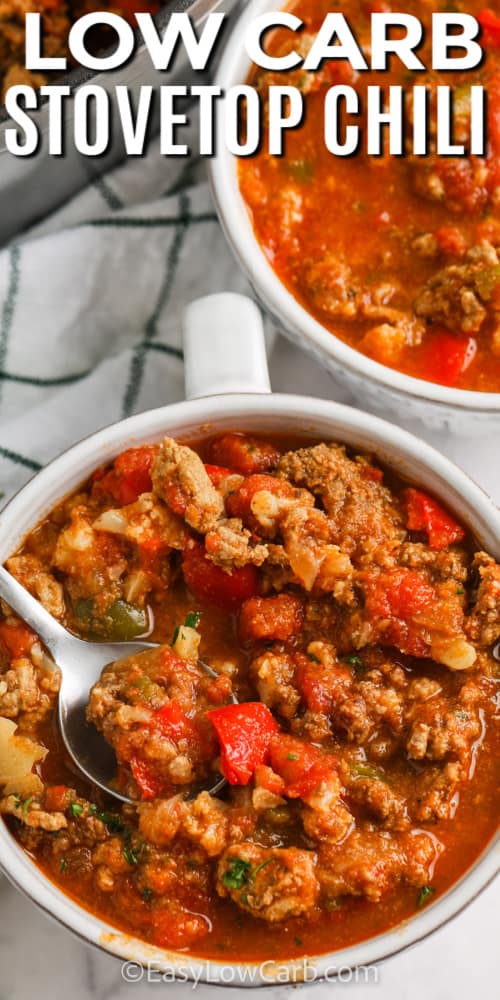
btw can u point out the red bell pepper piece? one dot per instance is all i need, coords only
(244, 454)
(245, 732)
(17, 638)
(446, 357)
(209, 583)
(490, 25)
(149, 782)
(302, 766)
(426, 514)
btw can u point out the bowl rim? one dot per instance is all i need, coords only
(211, 414)
(236, 222)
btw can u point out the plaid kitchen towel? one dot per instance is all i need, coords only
(91, 302)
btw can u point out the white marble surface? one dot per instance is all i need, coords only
(39, 959)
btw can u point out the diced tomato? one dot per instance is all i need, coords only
(266, 778)
(398, 593)
(172, 721)
(446, 357)
(130, 475)
(149, 782)
(208, 582)
(239, 503)
(17, 638)
(134, 468)
(245, 732)
(217, 474)
(271, 618)
(320, 686)
(57, 798)
(426, 514)
(301, 765)
(490, 25)
(450, 241)
(313, 685)
(397, 597)
(244, 454)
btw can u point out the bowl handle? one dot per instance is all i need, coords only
(224, 347)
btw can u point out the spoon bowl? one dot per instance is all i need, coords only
(81, 664)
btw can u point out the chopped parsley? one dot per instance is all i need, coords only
(237, 875)
(355, 661)
(292, 756)
(460, 714)
(147, 894)
(460, 591)
(425, 895)
(299, 942)
(241, 873)
(130, 855)
(63, 866)
(20, 804)
(134, 849)
(313, 658)
(76, 809)
(193, 619)
(113, 821)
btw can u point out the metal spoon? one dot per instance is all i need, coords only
(81, 664)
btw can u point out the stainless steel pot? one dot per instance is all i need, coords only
(32, 187)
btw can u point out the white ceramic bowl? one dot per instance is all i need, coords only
(240, 365)
(377, 387)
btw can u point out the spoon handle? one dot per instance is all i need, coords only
(32, 612)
